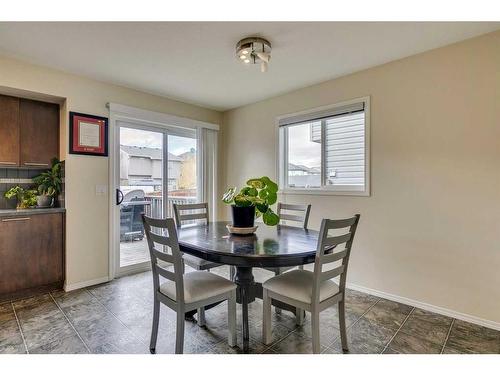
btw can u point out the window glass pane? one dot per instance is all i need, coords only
(345, 150)
(304, 155)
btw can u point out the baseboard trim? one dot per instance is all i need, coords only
(84, 284)
(426, 306)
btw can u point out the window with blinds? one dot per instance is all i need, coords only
(326, 149)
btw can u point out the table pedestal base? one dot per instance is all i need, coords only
(248, 290)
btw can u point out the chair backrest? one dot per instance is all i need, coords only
(180, 217)
(294, 212)
(162, 237)
(334, 249)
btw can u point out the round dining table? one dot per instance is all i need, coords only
(268, 247)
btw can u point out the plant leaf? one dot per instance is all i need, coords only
(228, 196)
(242, 201)
(270, 218)
(256, 183)
(272, 197)
(270, 185)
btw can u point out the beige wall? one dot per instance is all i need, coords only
(87, 228)
(430, 229)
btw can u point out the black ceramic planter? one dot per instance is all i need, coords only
(243, 217)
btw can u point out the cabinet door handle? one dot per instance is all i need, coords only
(16, 219)
(37, 164)
(8, 162)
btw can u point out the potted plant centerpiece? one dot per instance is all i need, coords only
(253, 200)
(48, 184)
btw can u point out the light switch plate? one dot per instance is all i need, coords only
(101, 189)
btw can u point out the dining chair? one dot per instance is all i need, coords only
(316, 291)
(182, 292)
(180, 217)
(296, 213)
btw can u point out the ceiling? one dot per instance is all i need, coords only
(195, 62)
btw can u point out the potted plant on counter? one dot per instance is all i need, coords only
(26, 198)
(48, 184)
(253, 200)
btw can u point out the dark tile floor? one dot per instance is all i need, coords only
(116, 318)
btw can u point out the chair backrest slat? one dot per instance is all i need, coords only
(165, 273)
(297, 218)
(295, 212)
(193, 216)
(330, 274)
(327, 252)
(164, 256)
(167, 239)
(179, 208)
(337, 240)
(162, 240)
(333, 257)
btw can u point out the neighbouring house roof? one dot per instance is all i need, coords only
(298, 167)
(148, 152)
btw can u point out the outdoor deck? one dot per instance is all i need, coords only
(133, 252)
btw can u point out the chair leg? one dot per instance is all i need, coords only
(277, 272)
(231, 319)
(201, 317)
(179, 334)
(343, 332)
(266, 317)
(315, 332)
(232, 273)
(154, 330)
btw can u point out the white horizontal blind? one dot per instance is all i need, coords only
(320, 114)
(345, 150)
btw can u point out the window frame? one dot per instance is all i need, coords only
(282, 155)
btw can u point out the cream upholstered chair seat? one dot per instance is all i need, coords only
(198, 286)
(298, 284)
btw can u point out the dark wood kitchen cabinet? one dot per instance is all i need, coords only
(29, 132)
(39, 133)
(31, 254)
(9, 131)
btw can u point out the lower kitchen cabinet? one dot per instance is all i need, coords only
(31, 254)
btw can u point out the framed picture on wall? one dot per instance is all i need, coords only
(88, 134)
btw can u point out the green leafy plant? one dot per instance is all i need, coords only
(259, 192)
(25, 198)
(49, 182)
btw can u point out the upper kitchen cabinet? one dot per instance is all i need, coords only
(39, 133)
(9, 131)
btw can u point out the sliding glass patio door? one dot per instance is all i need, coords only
(157, 167)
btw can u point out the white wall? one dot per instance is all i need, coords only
(87, 229)
(430, 229)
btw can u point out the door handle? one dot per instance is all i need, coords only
(119, 197)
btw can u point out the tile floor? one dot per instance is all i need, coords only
(116, 318)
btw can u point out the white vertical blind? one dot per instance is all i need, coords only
(207, 168)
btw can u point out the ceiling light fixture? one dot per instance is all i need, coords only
(254, 50)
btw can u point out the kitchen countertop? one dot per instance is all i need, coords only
(30, 211)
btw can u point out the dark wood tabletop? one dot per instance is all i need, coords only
(278, 246)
